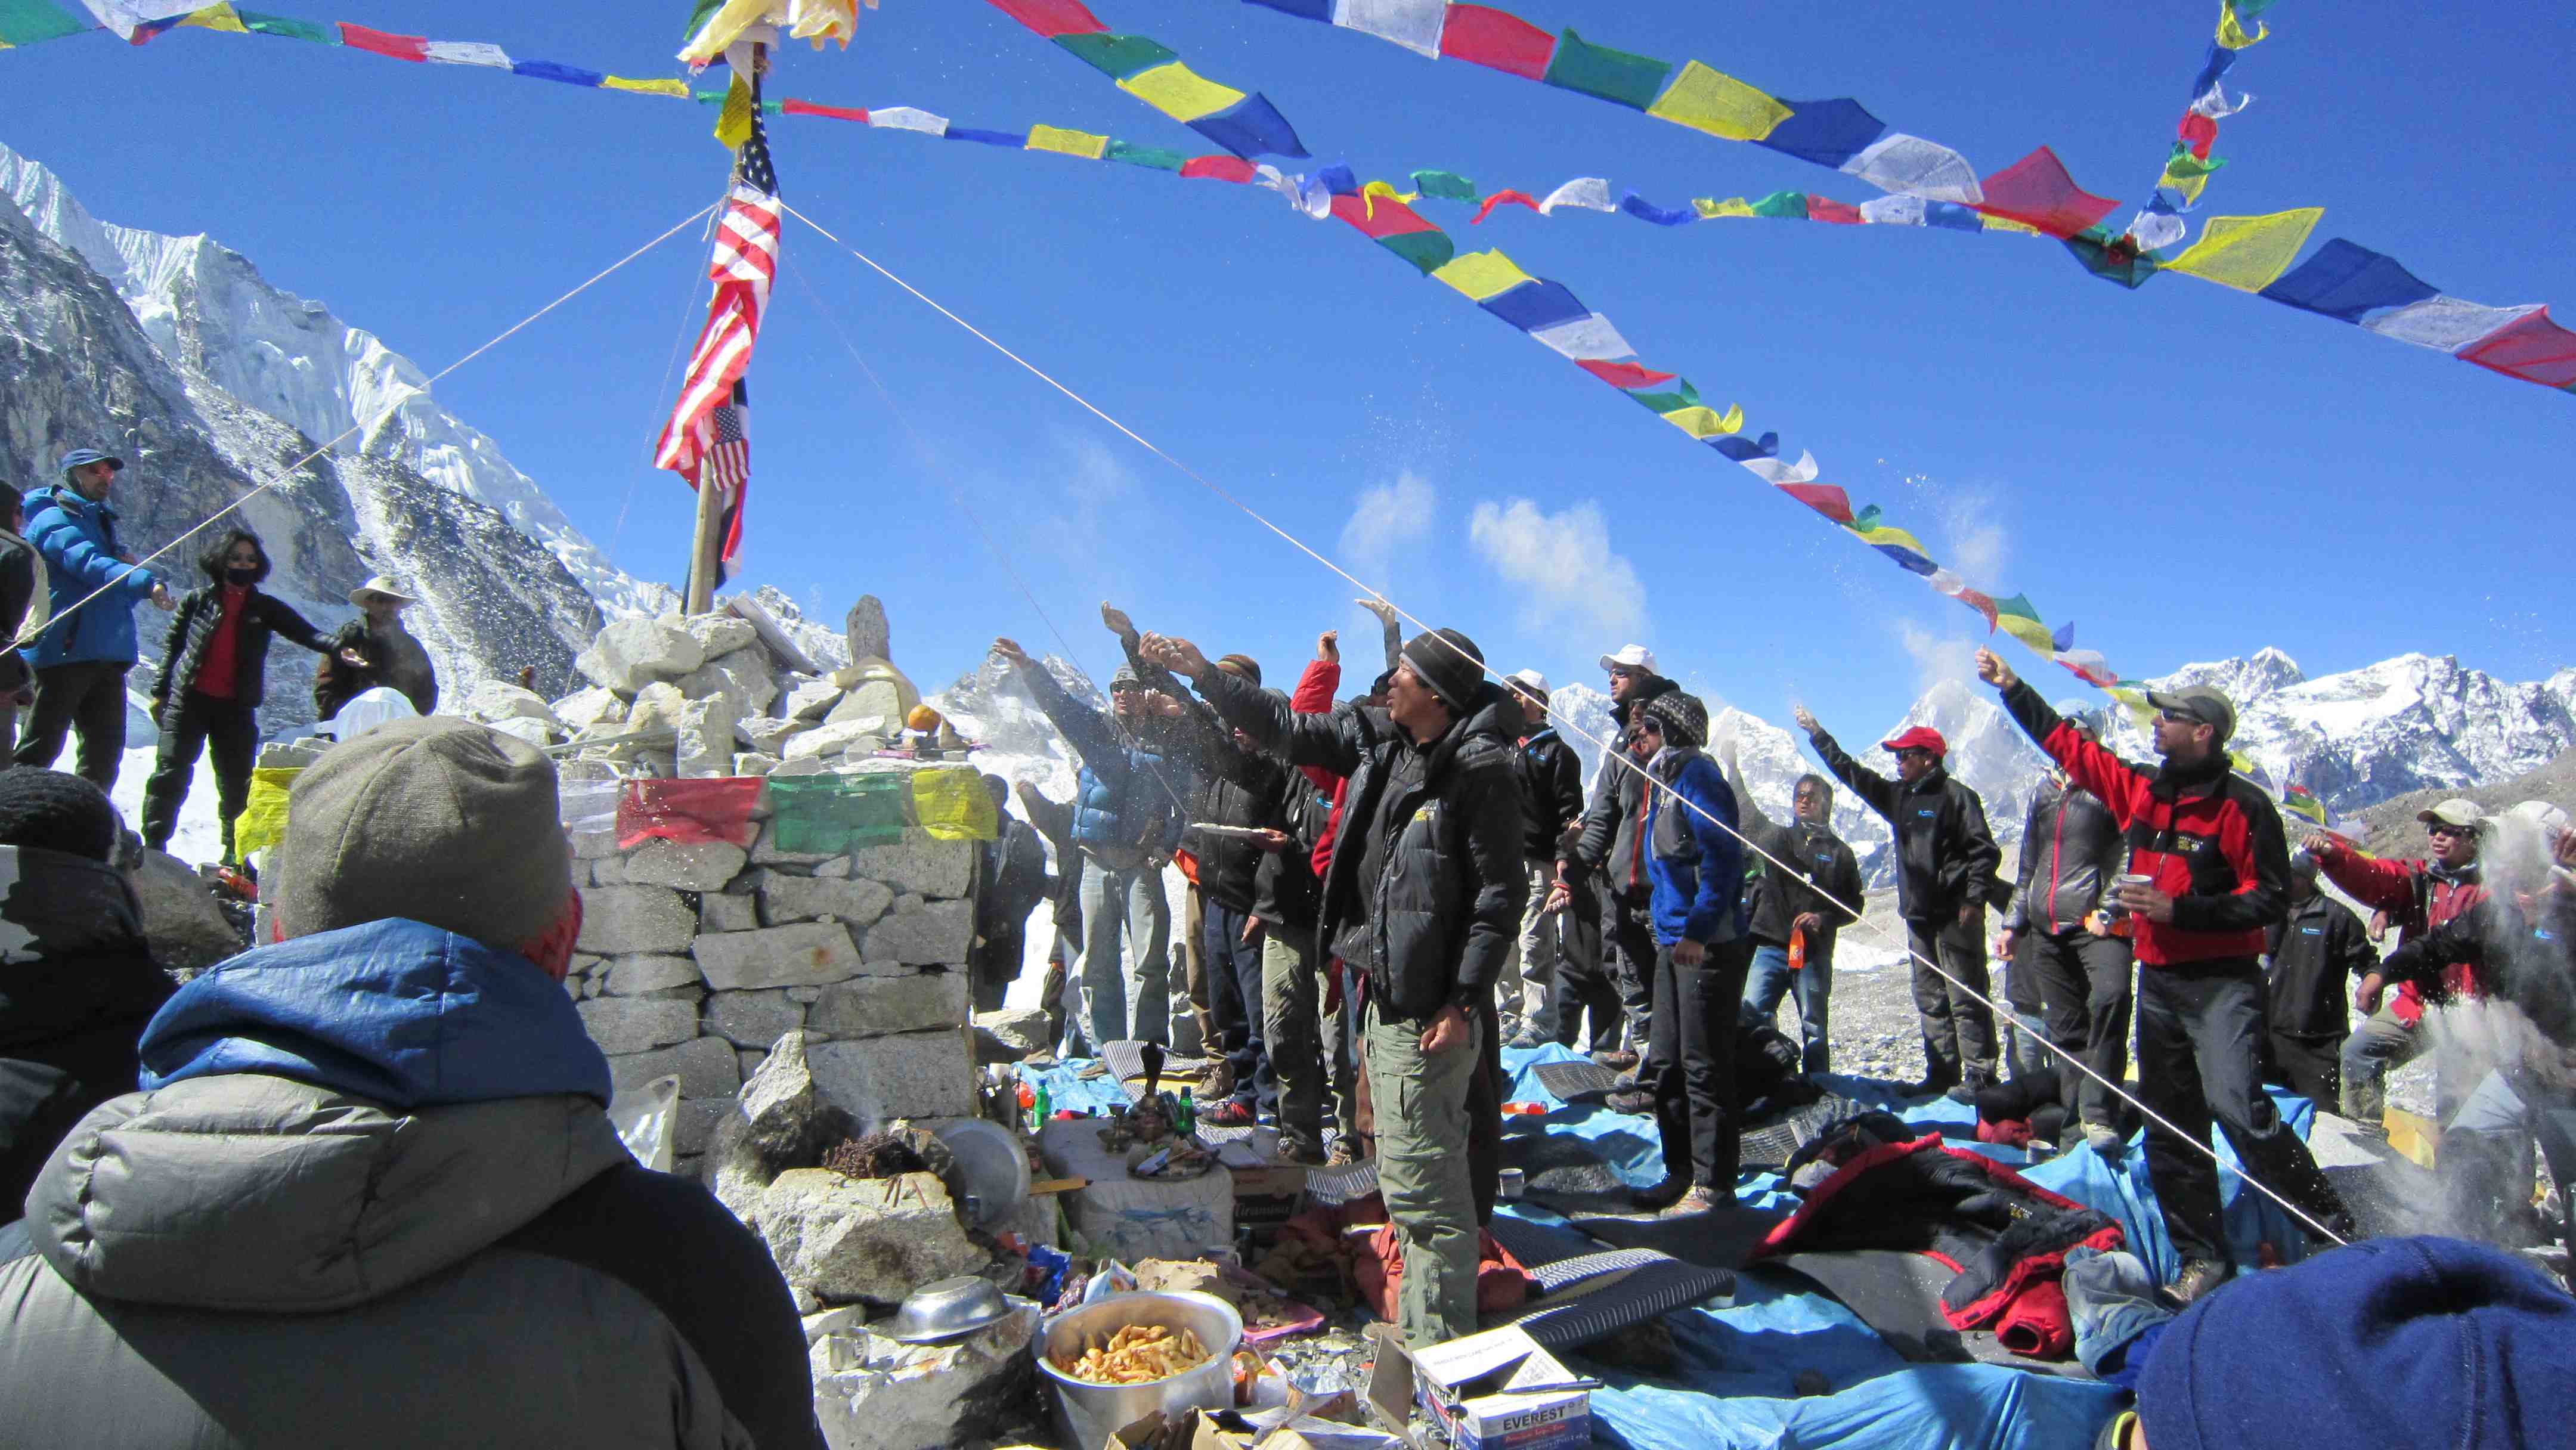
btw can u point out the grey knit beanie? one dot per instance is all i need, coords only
(436, 820)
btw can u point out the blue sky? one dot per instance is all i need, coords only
(2186, 472)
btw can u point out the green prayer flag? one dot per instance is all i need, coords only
(1117, 56)
(1685, 396)
(1153, 156)
(1429, 250)
(1614, 75)
(1446, 185)
(2182, 163)
(2092, 247)
(833, 815)
(287, 28)
(24, 22)
(1791, 204)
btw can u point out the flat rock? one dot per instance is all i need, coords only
(493, 701)
(931, 933)
(875, 1239)
(807, 953)
(705, 744)
(752, 762)
(719, 634)
(804, 898)
(810, 700)
(743, 677)
(635, 976)
(705, 1066)
(1022, 1031)
(180, 918)
(907, 1075)
(828, 740)
(633, 652)
(754, 1019)
(874, 1393)
(622, 921)
(877, 1006)
(699, 866)
(582, 709)
(919, 863)
(638, 1024)
(723, 912)
(769, 734)
(872, 699)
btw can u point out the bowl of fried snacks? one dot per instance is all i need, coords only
(1115, 1361)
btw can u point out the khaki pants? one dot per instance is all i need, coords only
(1291, 984)
(1420, 1100)
(1527, 987)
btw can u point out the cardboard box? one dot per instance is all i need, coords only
(1493, 1391)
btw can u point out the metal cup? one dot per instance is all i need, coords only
(2117, 909)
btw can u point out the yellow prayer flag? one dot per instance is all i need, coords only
(1710, 208)
(218, 17)
(1179, 92)
(1889, 534)
(1702, 422)
(262, 823)
(2007, 224)
(2231, 31)
(2187, 184)
(678, 90)
(1070, 143)
(2030, 632)
(1482, 274)
(1721, 105)
(723, 28)
(1375, 189)
(733, 123)
(953, 805)
(2248, 253)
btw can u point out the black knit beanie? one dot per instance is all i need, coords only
(1449, 663)
(51, 811)
(1682, 718)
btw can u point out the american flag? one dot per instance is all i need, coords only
(705, 441)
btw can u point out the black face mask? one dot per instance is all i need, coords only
(242, 576)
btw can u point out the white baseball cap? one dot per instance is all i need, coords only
(1635, 656)
(1536, 682)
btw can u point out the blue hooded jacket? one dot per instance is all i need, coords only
(395, 1012)
(78, 539)
(1124, 795)
(1696, 868)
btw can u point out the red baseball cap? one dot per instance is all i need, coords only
(1921, 737)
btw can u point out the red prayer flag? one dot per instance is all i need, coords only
(1517, 198)
(1623, 375)
(1824, 498)
(400, 47)
(1380, 216)
(2530, 347)
(693, 812)
(1978, 601)
(1218, 168)
(1052, 18)
(1825, 209)
(2037, 192)
(2198, 132)
(1489, 37)
(837, 113)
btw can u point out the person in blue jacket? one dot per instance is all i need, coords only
(83, 654)
(1127, 820)
(1702, 951)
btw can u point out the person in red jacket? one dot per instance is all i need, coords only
(2218, 869)
(2419, 897)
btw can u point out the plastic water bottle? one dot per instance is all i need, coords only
(1797, 949)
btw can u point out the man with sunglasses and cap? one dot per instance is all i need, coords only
(2421, 896)
(2209, 872)
(87, 647)
(1945, 870)
(389, 654)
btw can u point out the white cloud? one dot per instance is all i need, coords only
(1937, 657)
(1562, 566)
(1095, 479)
(1388, 517)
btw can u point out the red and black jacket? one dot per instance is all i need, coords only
(2208, 838)
(2419, 900)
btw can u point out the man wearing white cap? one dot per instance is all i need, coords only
(1551, 781)
(2420, 897)
(394, 658)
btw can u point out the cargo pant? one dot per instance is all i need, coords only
(1292, 982)
(1527, 988)
(1420, 1100)
(1958, 1030)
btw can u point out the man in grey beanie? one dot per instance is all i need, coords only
(377, 1149)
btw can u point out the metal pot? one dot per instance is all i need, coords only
(1091, 1413)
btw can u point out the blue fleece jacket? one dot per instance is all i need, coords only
(395, 1012)
(1697, 872)
(78, 539)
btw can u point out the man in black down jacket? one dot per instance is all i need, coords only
(2070, 849)
(1609, 856)
(1424, 891)
(1815, 898)
(77, 982)
(1551, 781)
(1945, 870)
(2306, 960)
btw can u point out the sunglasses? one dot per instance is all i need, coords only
(2445, 828)
(2180, 717)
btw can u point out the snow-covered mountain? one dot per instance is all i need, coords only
(209, 312)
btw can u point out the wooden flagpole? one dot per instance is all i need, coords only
(707, 542)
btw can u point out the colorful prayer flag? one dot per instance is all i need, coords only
(2037, 193)
(954, 805)
(1480, 275)
(1719, 104)
(693, 812)
(833, 815)
(1481, 35)
(2248, 253)
(1070, 143)
(1613, 75)
(1178, 92)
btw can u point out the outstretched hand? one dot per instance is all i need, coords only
(1010, 653)
(1328, 646)
(1158, 703)
(2320, 845)
(353, 659)
(1177, 655)
(1117, 620)
(1384, 610)
(1992, 669)
(1806, 719)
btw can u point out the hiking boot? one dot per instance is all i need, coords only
(1959, 1092)
(2197, 1278)
(1700, 1200)
(1617, 1059)
(1232, 1113)
(1525, 1040)
(1299, 1151)
(1662, 1196)
(1216, 1084)
(1343, 1154)
(1634, 1100)
(2107, 1142)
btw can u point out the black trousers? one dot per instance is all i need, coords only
(1958, 1030)
(1485, 1115)
(88, 697)
(232, 732)
(2083, 983)
(1234, 1002)
(1628, 956)
(2312, 1067)
(1585, 985)
(1691, 1068)
(2200, 1034)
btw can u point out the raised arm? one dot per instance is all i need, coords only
(1334, 742)
(2120, 787)
(1389, 624)
(1874, 789)
(1086, 729)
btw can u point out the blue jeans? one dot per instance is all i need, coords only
(1235, 1001)
(2112, 1299)
(1813, 986)
(1125, 908)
